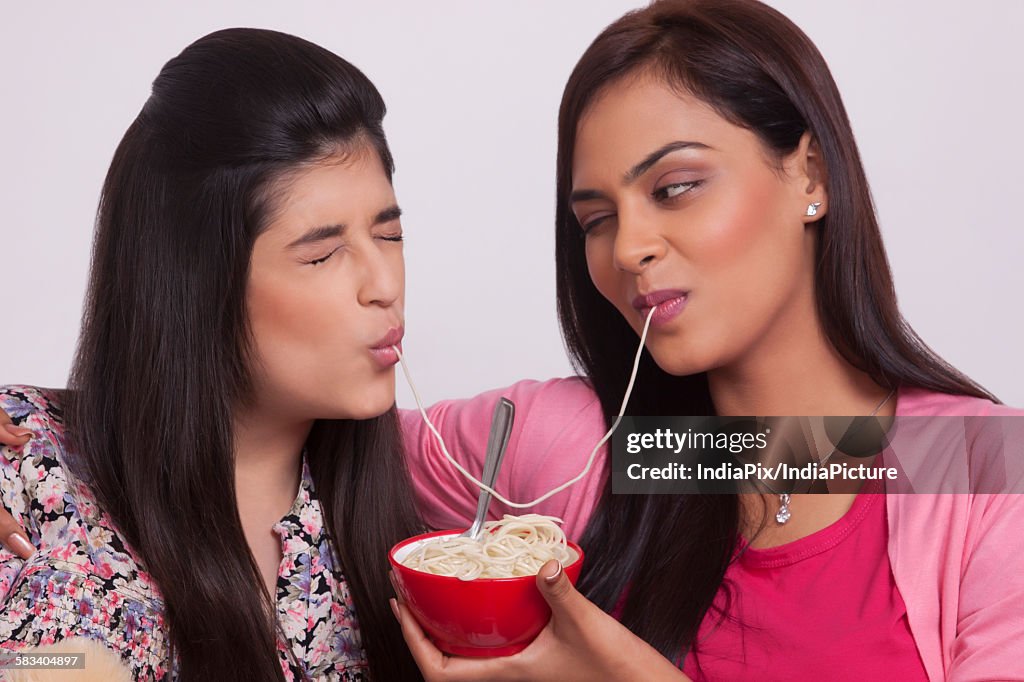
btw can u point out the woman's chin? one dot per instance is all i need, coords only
(369, 411)
(367, 404)
(682, 362)
(354, 399)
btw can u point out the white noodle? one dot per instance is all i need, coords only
(515, 546)
(571, 481)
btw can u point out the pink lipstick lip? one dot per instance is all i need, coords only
(669, 302)
(654, 298)
(392, 338)
(383, 352)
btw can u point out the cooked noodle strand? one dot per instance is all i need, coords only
(590, 461)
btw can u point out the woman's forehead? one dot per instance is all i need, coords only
(339, 189)
(632, 118)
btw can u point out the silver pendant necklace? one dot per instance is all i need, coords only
(784, 514)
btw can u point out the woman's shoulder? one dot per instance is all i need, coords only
(923, 402)
(948, 443)
(564, 395)
(33, 479)
(544, 410)
(549, 415)
(58, 510)
(36, 408)
(82, 578)
(557, 424)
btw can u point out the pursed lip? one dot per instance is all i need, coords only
(392, 338)
(661, 307)
(645, 302)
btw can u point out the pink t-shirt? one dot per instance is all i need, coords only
(824, 607)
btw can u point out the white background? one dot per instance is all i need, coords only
(933, 89)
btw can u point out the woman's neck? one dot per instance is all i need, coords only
(801, 374)
(268, 469)
(268, 456)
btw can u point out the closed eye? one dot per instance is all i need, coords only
(318, 261)
(591, 224)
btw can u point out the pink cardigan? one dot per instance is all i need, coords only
(958, 559)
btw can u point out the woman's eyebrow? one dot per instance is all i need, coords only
(324, 232)
(388, 214)
(586, 195)
(655, 156)
(318, 234)
(639, 169)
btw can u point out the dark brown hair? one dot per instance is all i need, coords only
(758, 71)
(164, 355)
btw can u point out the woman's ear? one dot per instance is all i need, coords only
(807, 170)
(101, 664)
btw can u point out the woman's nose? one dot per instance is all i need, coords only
(637, 243)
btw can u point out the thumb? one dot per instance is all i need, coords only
(12, 435)
(556, 588)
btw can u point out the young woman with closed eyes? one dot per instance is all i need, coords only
(214, 496)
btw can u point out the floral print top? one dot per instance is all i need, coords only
(85, 581)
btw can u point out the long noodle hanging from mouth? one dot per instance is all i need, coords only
(515, 546)
(590, 460)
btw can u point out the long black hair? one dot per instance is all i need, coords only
(165, 350)
(761, 72)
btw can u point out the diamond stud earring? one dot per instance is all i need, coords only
(812, 209)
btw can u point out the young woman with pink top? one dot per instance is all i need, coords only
(706, 165)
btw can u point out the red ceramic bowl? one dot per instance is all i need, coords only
(482, 617)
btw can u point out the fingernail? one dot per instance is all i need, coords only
(19, 431)
(553, 578)
(20, 545)
(394, 609)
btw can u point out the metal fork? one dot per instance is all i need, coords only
(497, 441)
